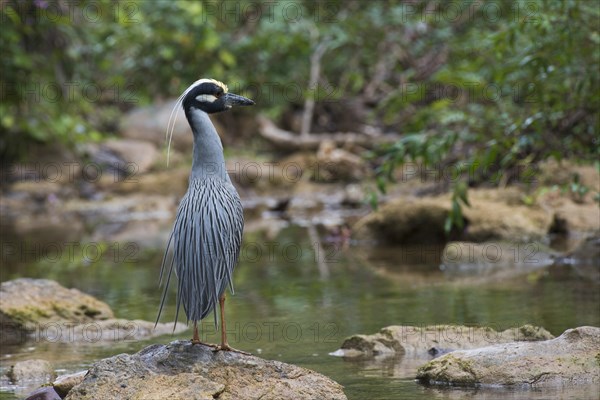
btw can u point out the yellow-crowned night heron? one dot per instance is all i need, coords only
(207, 234)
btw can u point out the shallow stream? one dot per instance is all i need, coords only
(289, 307)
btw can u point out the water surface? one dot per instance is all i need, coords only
(288, 308)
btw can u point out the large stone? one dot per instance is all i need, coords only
(570, 359)
(496, 214)
(181, 370)
(37, 371)
(27, 303)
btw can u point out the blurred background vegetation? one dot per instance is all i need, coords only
(485, 91)
(494, 85)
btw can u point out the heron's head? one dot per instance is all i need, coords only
(211, 96)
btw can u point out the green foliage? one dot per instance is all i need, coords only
(455, 216)
(496, 87)
(577, 189)
(514, 90)
(70, 68)
(50, 87)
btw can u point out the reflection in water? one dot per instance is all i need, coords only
(287, 308)
(496, 393)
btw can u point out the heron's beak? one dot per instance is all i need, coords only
(236, 100)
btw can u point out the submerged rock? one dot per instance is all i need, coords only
(433, 340)
(181, 370)
(570, 359)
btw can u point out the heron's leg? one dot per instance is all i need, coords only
(224, 345)
(196, 338)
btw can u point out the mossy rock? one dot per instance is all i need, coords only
(570, 359)
(28, 303)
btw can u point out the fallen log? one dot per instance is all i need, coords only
(290, 141)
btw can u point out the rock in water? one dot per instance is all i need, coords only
(27, 303)
(400, 350)
(570, 359)
(40, 371)
(64, 383)
(43, 310)
(433, 339)
(181, 370)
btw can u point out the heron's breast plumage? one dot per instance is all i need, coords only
(207, 237)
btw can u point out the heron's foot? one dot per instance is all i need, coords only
(196, 341)
(227, 347)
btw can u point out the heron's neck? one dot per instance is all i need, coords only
(208, 161)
